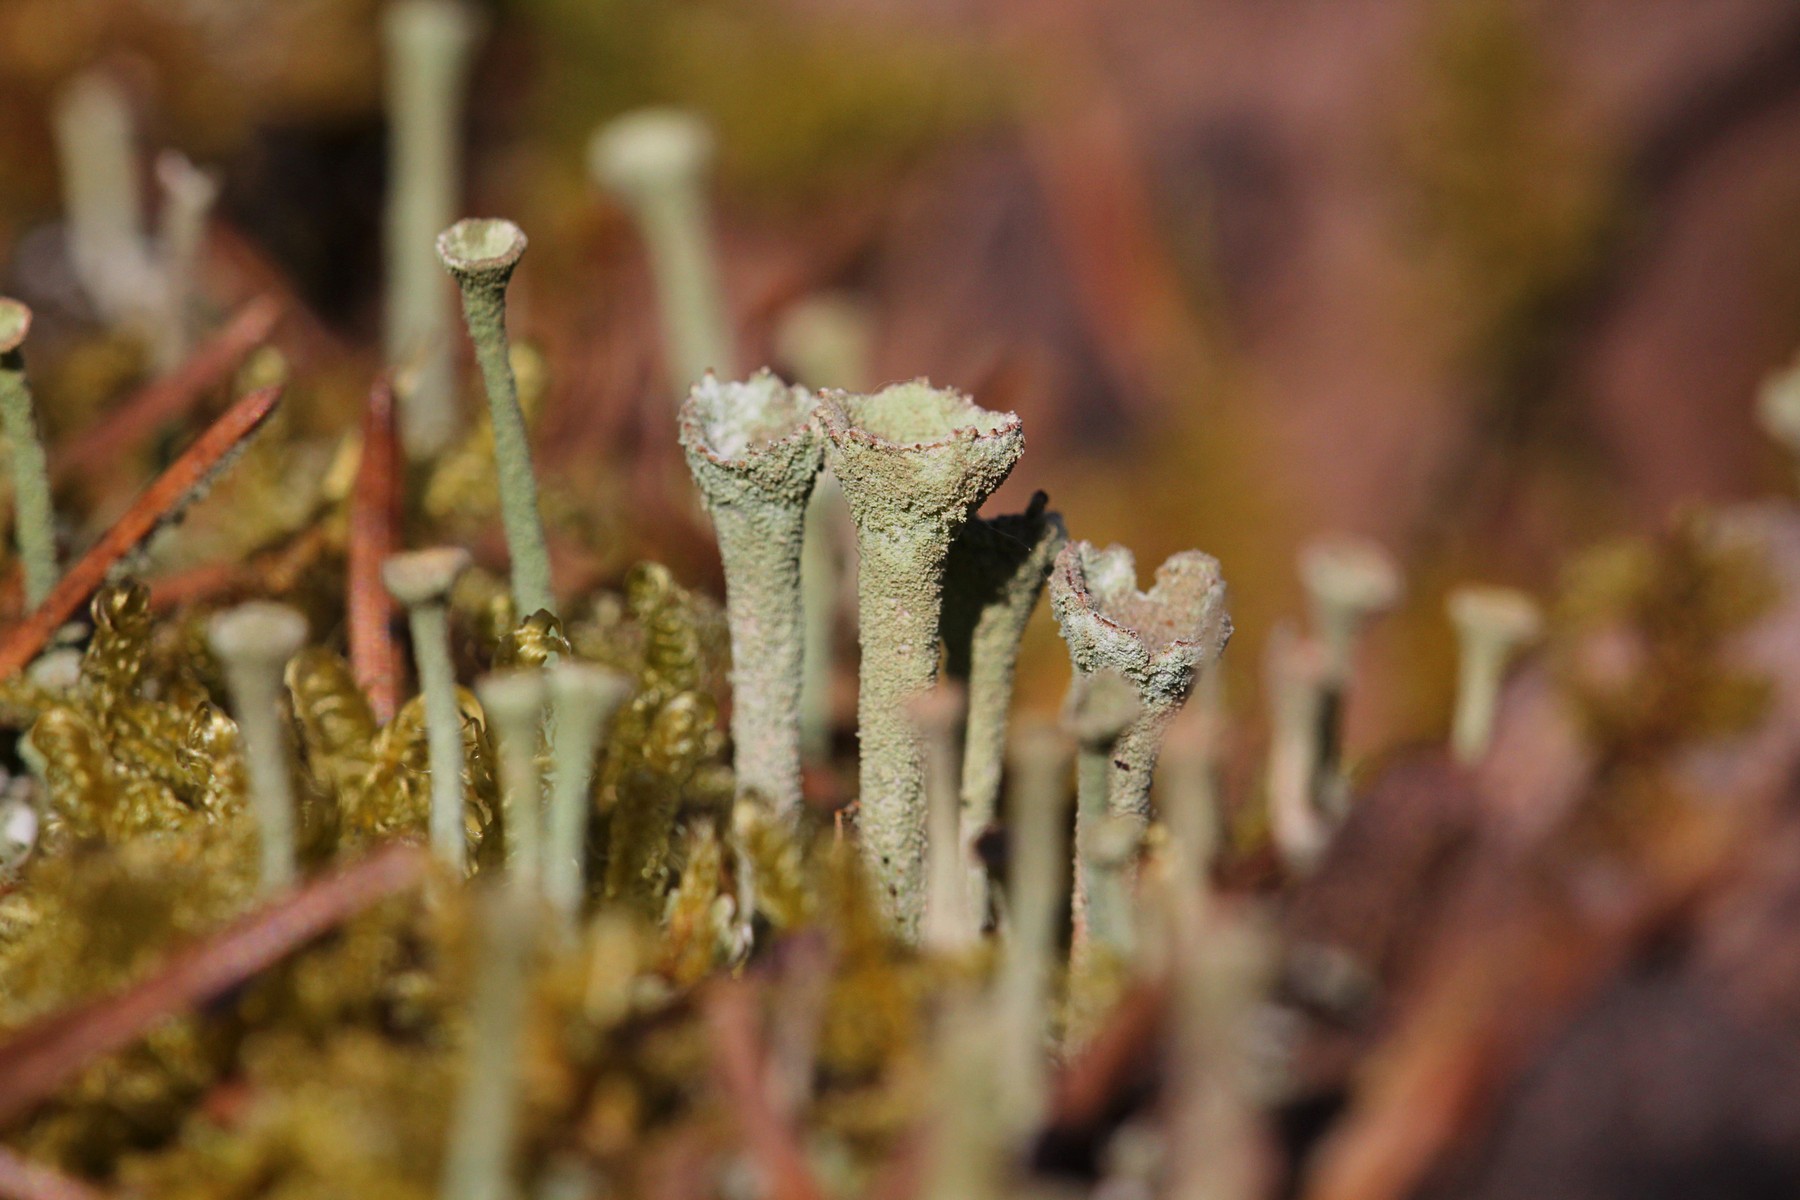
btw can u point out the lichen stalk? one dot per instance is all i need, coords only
(754, 453)
(429, 45)
(1296, 675)
(102, 200)
(949, 923)
(1158, 640)
(484, 1126)
(421, 581)
(914, 462)
(1186, 786)
(514, 703)
(188, 195)
(992, 581)
(1100, 710)
(657, 161)
(1491, 624)
(481, 256)
(1039, 869)
(583, 699)
(34, 520)
(253, 643)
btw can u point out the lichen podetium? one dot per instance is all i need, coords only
(755, 454)
(481, 255)
(33, 518)
(1157, 640)
(914, 462)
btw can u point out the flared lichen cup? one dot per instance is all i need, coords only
(914, 463)
(1159, 640)
(755, 453)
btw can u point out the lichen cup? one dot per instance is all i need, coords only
(914, 462)
(755, 454)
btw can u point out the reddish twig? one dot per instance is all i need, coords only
(160, 503)
(42, 1057)
(374, 535)
(22, 1179)
(168, 399)
(737, 1065)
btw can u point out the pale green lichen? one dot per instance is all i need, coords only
(1491, 624)
(754, 453)
(914, 462)
(421, 581)
(34, 521)
(992, 582)
(514, 703)
(949, 924)
(428, 44)
(1158, 640)
(583, 700)
(253, 643)
(1100, 710)
(657, 161)
(481, 256)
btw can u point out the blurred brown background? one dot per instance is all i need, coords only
(1482, 279)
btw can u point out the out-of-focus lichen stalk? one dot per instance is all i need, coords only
(421, 581)
(514, 703)
(34, 522)
(754, 453)
(101, 198)
(253, 643)
(657, 161)
(967, 1146)
(1187, 791)
(1491, 625)
(1295, 680)
(1778, 408)
(992, 582)
(1158, 640)
(1101, 709)
(583, 699)
(949, 926)
(914, 462)
(188, 195)
(1218, 965)
(484, 1125)
(1348, 582)
(481, 255)
(1039, 868)
(825, 340)
(429, 45)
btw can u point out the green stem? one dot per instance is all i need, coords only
(443, 730)
(34, 520)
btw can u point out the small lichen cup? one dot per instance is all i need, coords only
(914, 463)
(1491, 623)
(755, 454)
(1158, 640)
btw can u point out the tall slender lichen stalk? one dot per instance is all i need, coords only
(1038, 865)
(429, 44)
(1186, 787)
(1158, 640)
(992, 582)
(583, 699)
(949, 924)
(657, 161)
(514, 704)
(34, 521)
(1295, 674)
(1100, 710)
(1348, 582)
(253, 643)
(481, 255)
(754, 453)
(825, 341)
(102, 199)
(188, 195)
(484, 1125)
(1491, 623)
(421, 581)
(914, 462)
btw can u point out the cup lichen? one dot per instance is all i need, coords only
(914, 462)
(34, 520)
(755, 452)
